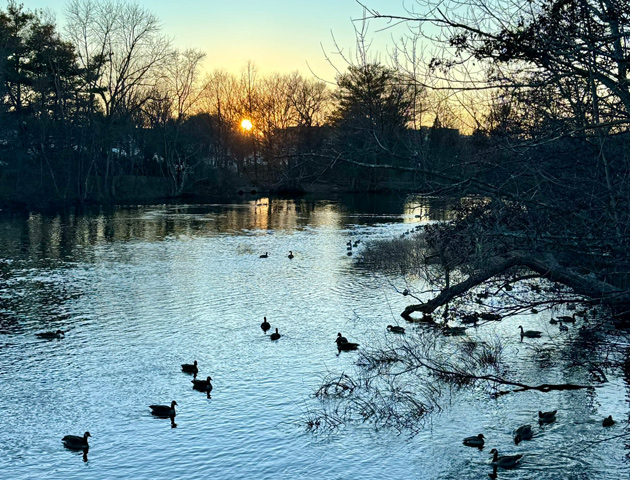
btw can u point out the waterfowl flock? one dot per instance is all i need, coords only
(524, 432)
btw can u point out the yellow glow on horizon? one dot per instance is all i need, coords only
(246, 124)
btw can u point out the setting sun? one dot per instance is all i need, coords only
(246, 125)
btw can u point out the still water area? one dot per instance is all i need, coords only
(143, 289)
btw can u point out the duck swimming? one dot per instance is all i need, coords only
(51, 335)
(608, 421)
(275, 336)
(529, 333)
(547, 417)
(75, 442)
(523, 432)
(506, 461)
(190, 368)
(476, 441)
(163, 410)
(290, 256)
(264, 255)
(265, 325)
(203, 385)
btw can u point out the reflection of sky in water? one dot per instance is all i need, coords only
(144, 289)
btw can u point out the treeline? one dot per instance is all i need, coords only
(109, 110)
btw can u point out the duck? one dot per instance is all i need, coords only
(264, 255)
(547, 417)
(524, 432)
(347, 346)
(50, 335)
(275, 336)
(190, 368)
(608, 421)
(75, 442)
(265, 325)
(476, 441)
(163, 410)
(529, 333)
(394, 329)
(344, 344)
(506, 461)
(553, 321)
(203, 385)
(349, 243)
(290, 254)
(563, 328)
(349, 254)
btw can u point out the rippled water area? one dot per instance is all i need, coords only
(142, 290)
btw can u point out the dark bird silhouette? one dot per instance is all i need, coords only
(275, 336)
(264, 255)
(265, 325)
(163, 410)
(547, 417)
(75, 442)
(290, 254)
(51, 335)
(344, 344)
(203, 385)
(190, 368)
(476, 441)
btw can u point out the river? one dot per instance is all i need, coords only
(143, 289)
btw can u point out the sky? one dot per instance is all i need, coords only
(277, 35)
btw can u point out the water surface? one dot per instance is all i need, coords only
(143, 289)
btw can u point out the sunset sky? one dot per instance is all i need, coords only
(278, 35)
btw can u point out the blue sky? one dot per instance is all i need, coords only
(278, 35)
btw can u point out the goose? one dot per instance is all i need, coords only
(275, 336)
(493, 317)
(203, 385)
(265, 325)
(529, 333)
(349, 248)
(505, 461)
(50, 335)
(476, 441)
(163, 410)
(563, 328)
(290, 254)
(341, 339)
(190, 368)
(547, 417)
(608, 421)
(395, 329)
(264, 255)
(349, 254)
(524, 432)
(553, 321)
(76, 442)
(349, 243)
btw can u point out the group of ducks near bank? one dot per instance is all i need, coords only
(524, 432)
